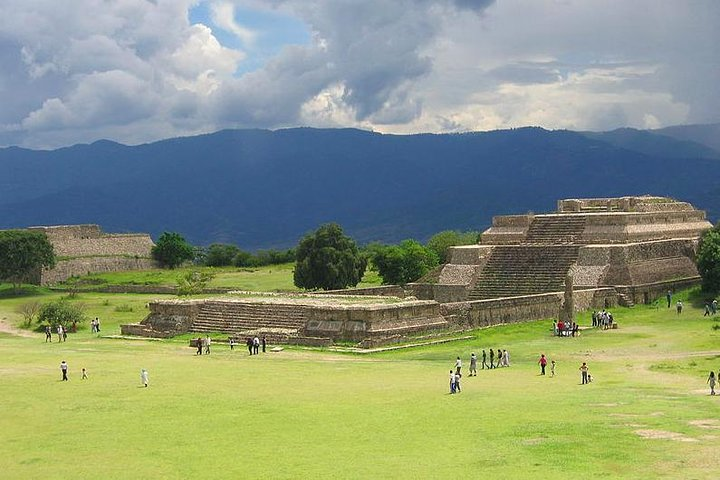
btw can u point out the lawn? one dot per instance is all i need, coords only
(257, 279)
(304, 413)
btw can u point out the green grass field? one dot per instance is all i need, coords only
(304, 413)
(257, 279)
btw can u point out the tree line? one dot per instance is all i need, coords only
(324, 259)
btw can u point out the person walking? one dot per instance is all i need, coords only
(64, 370)
(499, 357)
(484, 360)
(207, 345)
(199, 346)
(60, 333)
(263, 340)
(552, 368)
(84, 374)
(232, 343)
(506, 358)
(256, 345)
(492, 359)
(48, 334)
(707, 309)
(458, 365)
(678, 307)
(249, 343)
(713, 306)
(452, 382)
(584, 372)
(669, 297)
(711, 381)
(543, 363)
(473, 365)
(458, 376)
(144, 377)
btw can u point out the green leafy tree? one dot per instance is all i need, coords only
(61, 312)
(171, 250)
(328, 259)
(442, 241)
(193, 282)
(22, 254)
(220, 255)
(403, 263)
(708, 259)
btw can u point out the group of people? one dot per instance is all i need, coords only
(503, 360)
(602, 319)
(95, 325)
(254, 344)
(711, 308)
(61, 333)
(144, 376)
(203, 344)
(565, 329)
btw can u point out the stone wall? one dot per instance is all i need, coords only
(384, 291)
(65, 269)
(84, 249)
(167, 318)
(485, 313)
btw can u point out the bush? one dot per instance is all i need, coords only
(61, 312)
(328, 259)
(442, 241)
(708, 260)
(221, 255)
(171, 250)
(193, 282)
(404, 263)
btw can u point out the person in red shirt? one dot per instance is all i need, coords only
(543, 363)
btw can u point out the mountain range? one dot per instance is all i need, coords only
(266, 189)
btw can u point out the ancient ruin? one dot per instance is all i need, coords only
(85, 249)
(607, 251)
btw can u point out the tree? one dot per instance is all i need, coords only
(441, 241)
(29, 311)
(193, 282)
(23, 253)
(328, 259)
(171, 250)
(404, 263)
(708, 259)
(220, 255)
(61, 312)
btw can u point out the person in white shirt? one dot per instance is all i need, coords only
(144, 377)
(458, 365)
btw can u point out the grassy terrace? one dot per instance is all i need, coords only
(304, 413)
(261, 279)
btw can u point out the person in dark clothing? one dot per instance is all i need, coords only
(492, 358)
(484, 360)
(264, 343)
(669, 298)
(64, 369)
(249, 344)
(499, 355)
(48, 334)
(199, 346)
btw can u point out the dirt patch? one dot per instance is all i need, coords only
(664, 435)
(7, 328)
(708, 424)
(604, 405)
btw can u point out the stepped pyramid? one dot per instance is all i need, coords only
(640, 245)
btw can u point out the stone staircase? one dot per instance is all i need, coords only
(555, 229)
(524, 270)
(277, 322)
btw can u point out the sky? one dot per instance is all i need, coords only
(136, 71)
